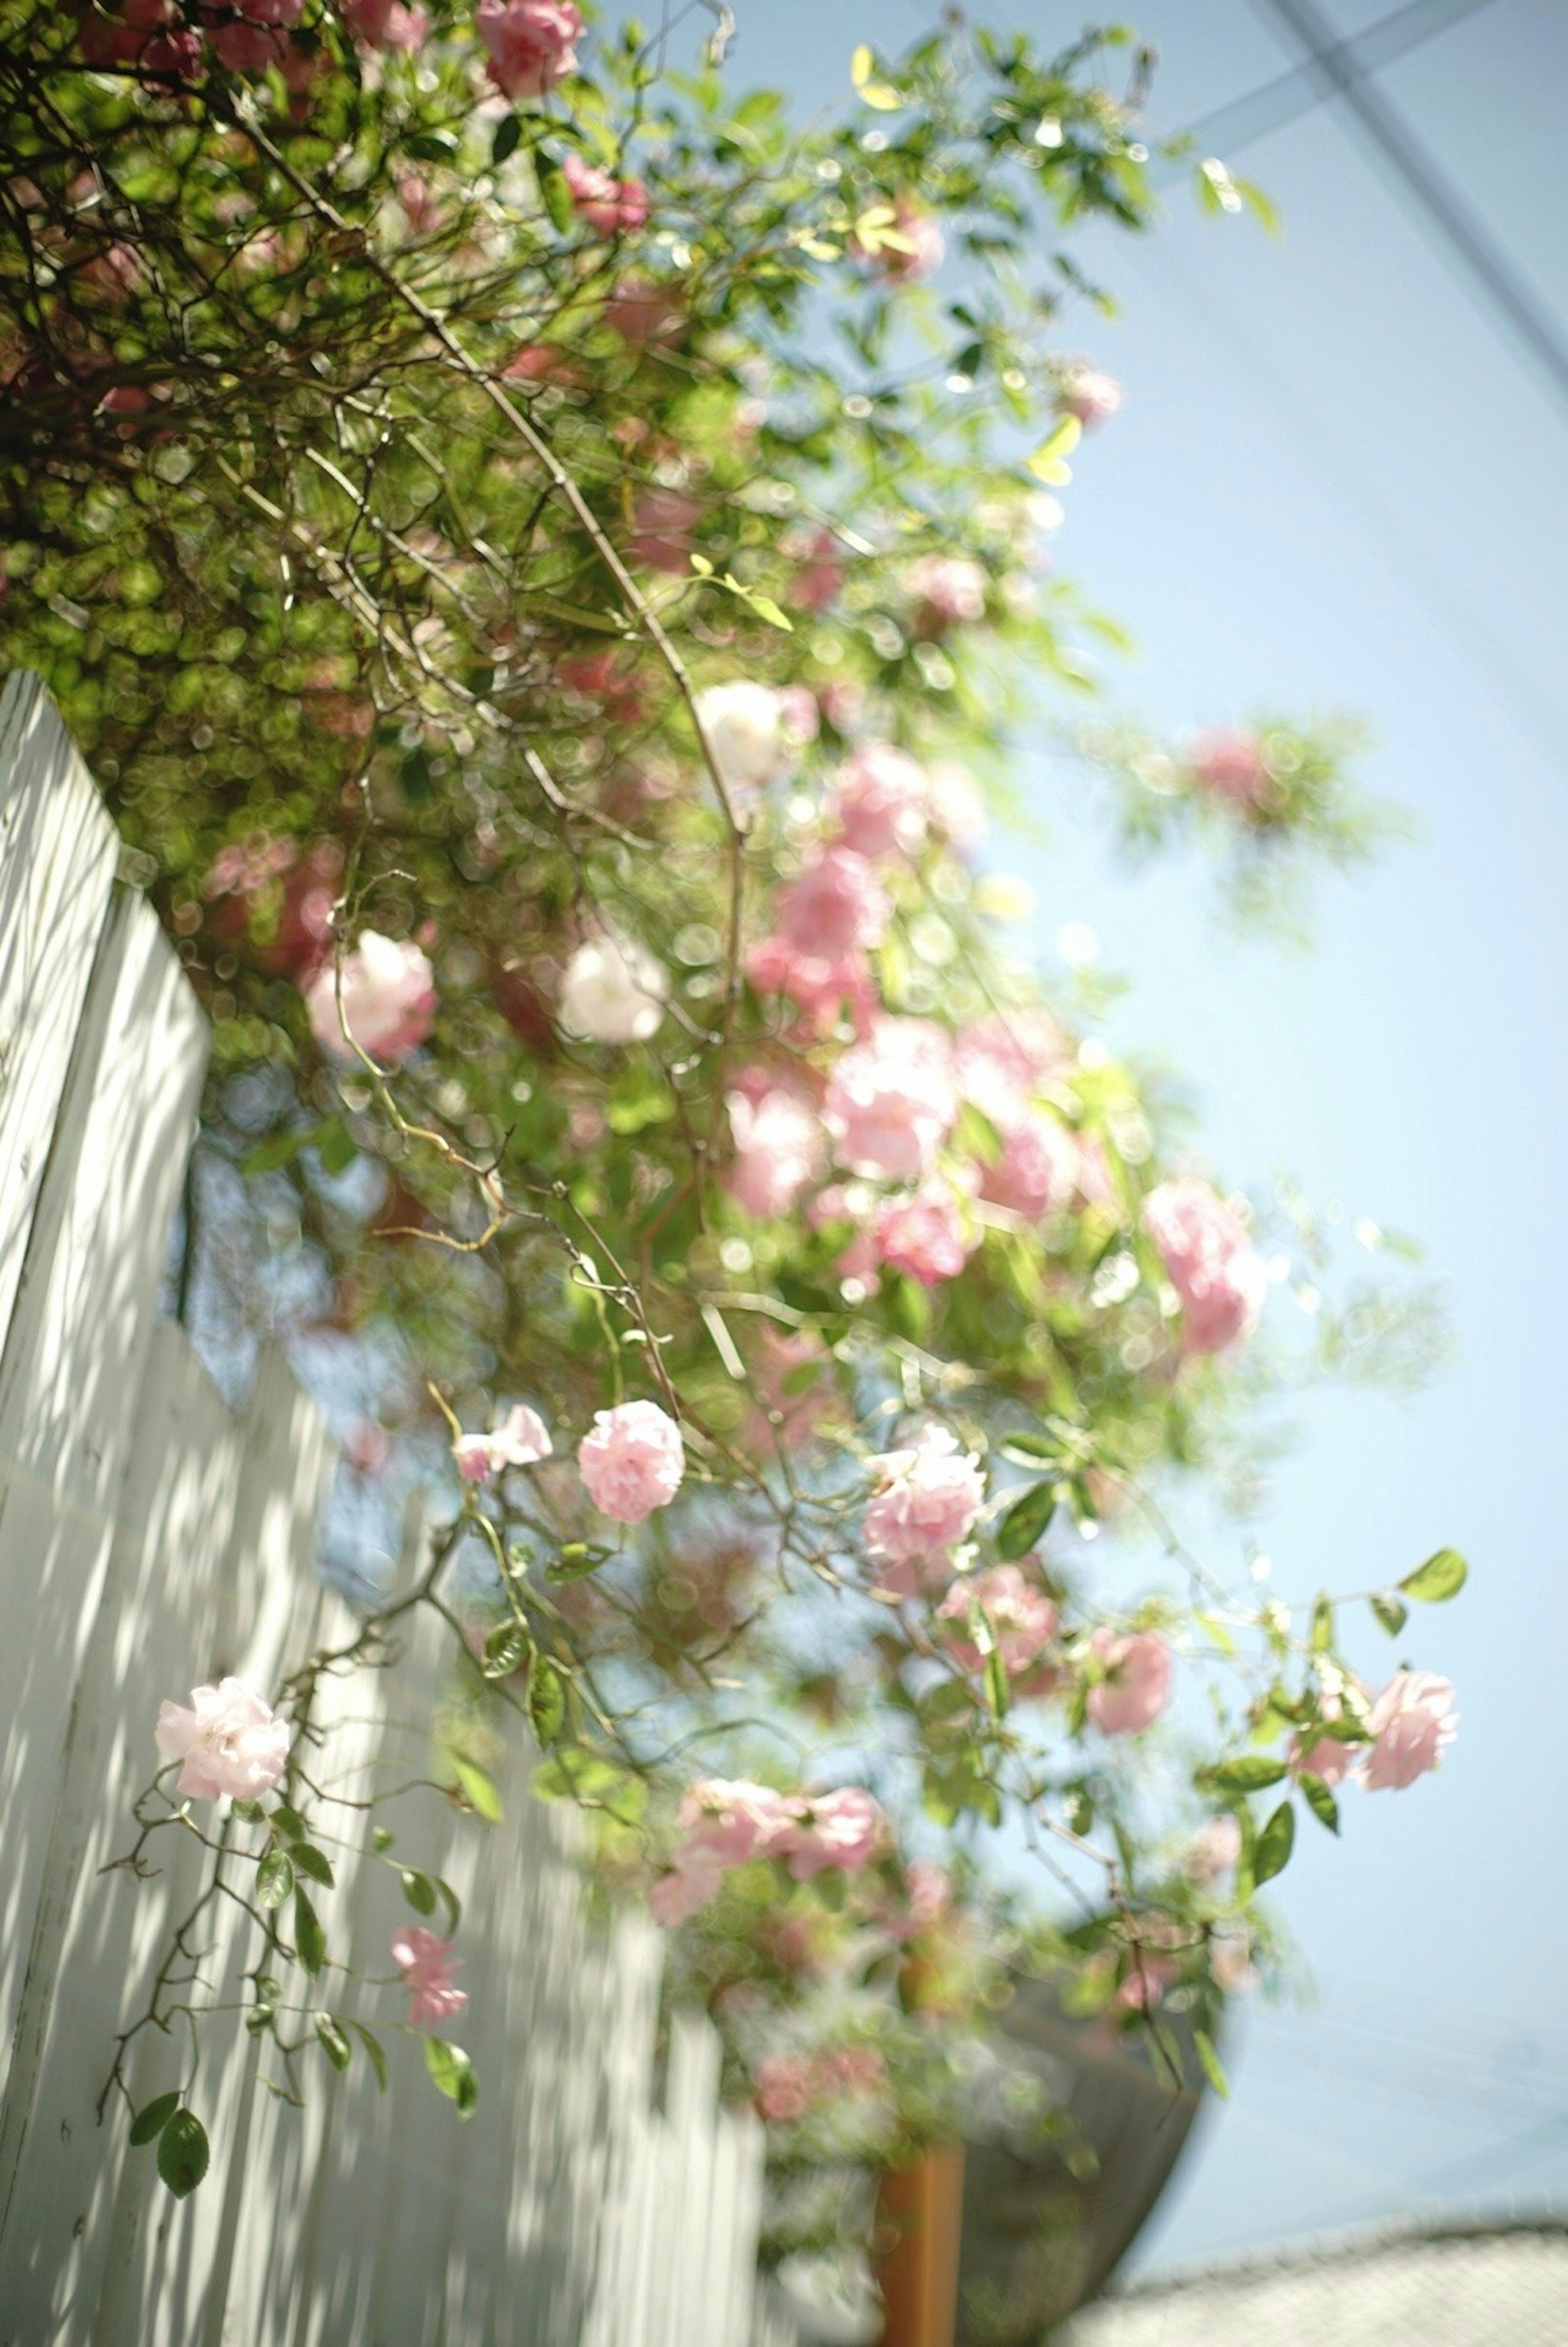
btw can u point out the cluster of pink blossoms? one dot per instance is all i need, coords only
(609, 206)
(1408, 1727)
(521, 1439)
(532, 43)
(1209, 1260)
(427, 1965)
(1136, 1686)
(1022, 1619)
(789, 2086)
(631, 1460)
(729, 1821)
(927, 1499)
(1229, 764)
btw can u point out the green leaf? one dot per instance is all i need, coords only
(313, 1863)
(1322, 1627)
(1033, 1449)
(372, 2047)
(1443, 1576)
(183, 2153)
(419, 1890)
(1275, 1844)
(479, 1787)
(381, 1839)
(309, 1940)
(553, 192)
(547, 1700)
(250, 1812)
(1390, 1612)
(335, 1146)
(995, 1685)
(274, 1878)
(506, 1650)
(277, 1150)
(335, 2044)
(1320, 1800)
(453, 1904)
(153, 2118)
(508, 131)
(452, 2074)
(285, 1820)
(1025, 1521)
(1212, 2069)
(1252, 1772)
(577, 1560)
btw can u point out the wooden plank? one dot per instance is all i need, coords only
(71, 1373)
(57, 854)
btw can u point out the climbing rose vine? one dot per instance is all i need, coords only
(549, 562)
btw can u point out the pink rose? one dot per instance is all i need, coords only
(926, 1232)
(521, 1439)
(662, 524)
(388, 994)
(836, 908)
(779, 1144)
(1023, 1619)
(228, 1741)
(1209, 1260)
(879, 799)
(1213, 1851)
(611, 206)
(643, 312)
(818, 575)
(250, 35)
(1004, 1058)
(732, 1818)
(531, 43)
(782, 2084)
(820, 988)
(843, 1829)
(385, 24)
(891, 1101)
(1409, 1723)
(1229, 764)
(927, 1499)
(427, 1964)
(632, 1460)
(1087, 392)
(1136, 1686)
(1037, 1170)
(948, 590)
(692, 1881)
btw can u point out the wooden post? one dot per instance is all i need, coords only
(921, 2207)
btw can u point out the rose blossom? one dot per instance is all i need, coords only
(1088, 394)
(1213, 1851)
(521, 1439)
(879, 799)
(925, 1233)
(229, 1742)
(733, 1819)
(928, 1496)
(1411, 1722)
(610, 206)
(663, 520)
(632, 1460)
(530, 43)
(836, 906)
(1037, 1170)
(1004, 1057)
(249, 35)
(388, 993)
(844, 1829)
(891, 1101)
(613, 991)
(385, 24)
(779, 1145)
(743, 725)
(1228, 763)
(782, 2084)
(1209, 1260)
(820, 989)
(1138, 1683)
(948, 588)
(1022, 1619)
(427, 1964)
(818, 574)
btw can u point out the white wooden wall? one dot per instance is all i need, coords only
(150, 1540)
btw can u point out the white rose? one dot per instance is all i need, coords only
(743, 723)
(613, 992)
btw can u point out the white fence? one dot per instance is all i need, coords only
(150, 1540)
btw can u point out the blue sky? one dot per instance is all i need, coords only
(1336, 485)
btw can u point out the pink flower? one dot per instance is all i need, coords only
(1004, 1057)
(820, 988)
(1037, 1170)
(733, 1819)
(611, 206)
(843, 1829)
(891, 1101)
(928, 1897)
(427, 1965)
(531, 43)
(249, 35)
(632, 1460)
(228, 1741)
(920, 251)
(926, 1232)
(779, 1145)
(521, 1439)
(818, 574)
(1229, 764)
(385, 24)
(928, 1498)
(387, 992)
(836, 908)
(1023, 1619)
(1085, 391)
(1213, 1851)
(1411, 1722)
(948, 590)
(782, 2084)
(1136, 1686)
(1146, 1982)
(1210, 1262)
(879, 800)
(662, 524)
(643, 312)
(1327, 1757)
